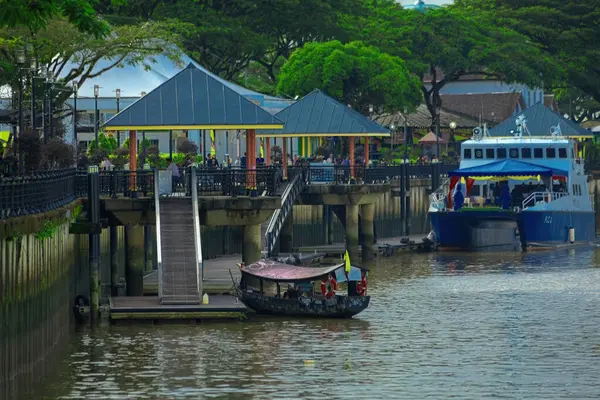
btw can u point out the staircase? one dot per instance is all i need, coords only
(179, 251)
(288, 198)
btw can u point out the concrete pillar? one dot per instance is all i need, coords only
(148, 248)
(367, 213)
(132, 159)
(352, 231)
(134, 265)
(251, 247)
(114, 266)
(284, 159)
(286, 237)
(267, 151)
(366, 151)
(351, 154)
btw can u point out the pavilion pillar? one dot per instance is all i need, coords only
(132, 159)
(366, 151)
(267, 151)
(351, 154)
(251, 159)
(284, 159)
(308, 146)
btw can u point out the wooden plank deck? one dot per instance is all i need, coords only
(149, 308)
(383, 247)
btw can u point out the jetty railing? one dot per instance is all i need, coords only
(42, 191)
(38, 192)
(542, 197)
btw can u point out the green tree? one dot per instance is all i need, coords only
(34, 15)
(578, 105)
(443, 45)
(566, 31)
(354, 73)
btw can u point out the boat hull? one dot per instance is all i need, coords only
(338, 307)
(480, 229)
(475, 229)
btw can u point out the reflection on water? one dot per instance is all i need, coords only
(440, 325)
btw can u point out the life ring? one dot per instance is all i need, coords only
(361, 288)
(332, 286)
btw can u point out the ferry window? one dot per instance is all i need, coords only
(550, 152)
(478, 153)
(489, 153)
(538, 153)
(475, 190)
(501, 153)
(514, 153)
(526, 153)
(467, 153)
(562, 152)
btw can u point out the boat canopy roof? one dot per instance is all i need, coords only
(508, 168)
(275, 271)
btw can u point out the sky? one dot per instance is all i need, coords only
(438, 2)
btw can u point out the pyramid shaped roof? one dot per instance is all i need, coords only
(317, 114)
(539, 121)
(192, 99)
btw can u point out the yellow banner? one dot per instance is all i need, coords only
(262, 148)
(4, 135)
(213, 144)
(503, 178)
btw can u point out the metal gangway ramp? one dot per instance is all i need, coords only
(179, 250)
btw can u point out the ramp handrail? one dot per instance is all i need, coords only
(158, 241)
(197, 237)
(278, 218)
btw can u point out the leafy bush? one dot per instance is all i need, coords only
(57, 154)
(30, 145)
(187, 147)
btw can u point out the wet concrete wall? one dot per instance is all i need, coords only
(39, 277)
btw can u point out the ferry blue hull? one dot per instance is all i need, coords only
(485, 229)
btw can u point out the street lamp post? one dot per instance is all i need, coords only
(437, 131)
(20, 61)
(118, 94)
(34, 68)
(76, 143)
(96, 127)
(50, 104)
(452, 139)
(405, 135)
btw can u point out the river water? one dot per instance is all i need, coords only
(440, 325)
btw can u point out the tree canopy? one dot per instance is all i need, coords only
(565, 31)
(354, 73)
(34, 14)
(446, 44)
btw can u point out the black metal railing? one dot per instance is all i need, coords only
(36, 193)
(46, 190)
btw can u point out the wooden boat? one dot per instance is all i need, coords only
(260, 289)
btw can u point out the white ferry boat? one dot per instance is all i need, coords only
(515, 191)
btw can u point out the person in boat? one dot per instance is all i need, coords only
(361, 287)
(505, 197)
(458, 197)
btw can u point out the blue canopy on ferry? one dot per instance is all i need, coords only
(508, 168)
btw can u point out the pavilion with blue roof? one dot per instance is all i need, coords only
(194, 99)
(318, 115)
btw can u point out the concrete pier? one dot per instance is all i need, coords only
(352, 231)
(286, 237)
(367, 214)
(251, 248)
(134, 267)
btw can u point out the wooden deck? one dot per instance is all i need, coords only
(383, 247)
(149, 308)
